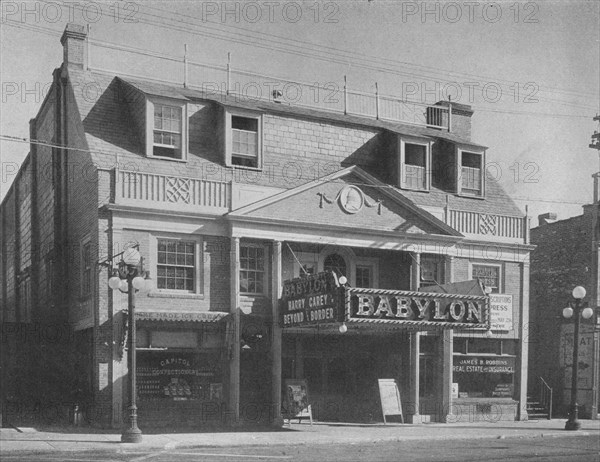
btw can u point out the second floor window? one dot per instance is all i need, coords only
(489, 275)
(167, 131)
(244, 139)
(176, 265)
(252, 269)
(364, 276)
(430, 271)
(336, 263)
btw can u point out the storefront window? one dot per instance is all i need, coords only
(484, 368)
(480, 345)
(178, 376)
(484, 376)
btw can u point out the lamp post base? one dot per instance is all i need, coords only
(131, 435)
(572, 425)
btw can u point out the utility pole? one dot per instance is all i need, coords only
(595, 277)
(595, 144)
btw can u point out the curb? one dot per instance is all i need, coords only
(183, 445)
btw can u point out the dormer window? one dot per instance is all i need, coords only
(244, 140)
(244, 137)
(166, 130)
(415, 164)
(471, 173)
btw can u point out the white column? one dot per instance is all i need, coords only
(447, 350)
(234, 337)
(415, 271)
(523, 342)
(276, 332)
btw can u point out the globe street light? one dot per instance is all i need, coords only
(578, 295)
(127, 278)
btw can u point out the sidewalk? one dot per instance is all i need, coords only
(81, 439)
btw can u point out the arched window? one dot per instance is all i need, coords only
(335, 262)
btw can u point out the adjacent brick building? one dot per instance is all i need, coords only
(227, 199)
(566, 256)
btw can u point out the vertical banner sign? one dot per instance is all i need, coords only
(315, 299)
(586, 354)
(501, 312)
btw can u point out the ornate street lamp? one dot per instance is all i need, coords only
(578, 295)
(127, 278)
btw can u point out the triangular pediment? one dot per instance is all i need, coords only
(349, 198)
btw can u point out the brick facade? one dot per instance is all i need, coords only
(71, 199)
(563, 259)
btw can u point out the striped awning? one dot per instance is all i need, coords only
(181, 316)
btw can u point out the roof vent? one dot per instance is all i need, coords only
(546, 218)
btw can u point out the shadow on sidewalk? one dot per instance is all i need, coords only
(34, 428)
(59, 440)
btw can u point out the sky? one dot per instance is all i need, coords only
(530, 70)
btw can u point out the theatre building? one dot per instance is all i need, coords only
(285, 243)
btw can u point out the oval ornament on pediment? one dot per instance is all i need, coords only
(351, 199)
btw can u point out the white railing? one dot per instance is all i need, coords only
(219, 80)
(152, 188)
(486, 224)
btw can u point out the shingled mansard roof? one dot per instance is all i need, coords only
(105, 115)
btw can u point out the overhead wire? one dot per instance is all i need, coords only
(118, 154)
(143, 52)
(271, 46)
(348, 54)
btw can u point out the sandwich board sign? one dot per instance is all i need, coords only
(389, 394)
(295, 400)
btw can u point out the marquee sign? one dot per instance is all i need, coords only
(314, 299)
(444, 310)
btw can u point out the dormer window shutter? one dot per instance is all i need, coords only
(471, 177)
(415, 164)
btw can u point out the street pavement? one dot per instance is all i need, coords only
(60, 439)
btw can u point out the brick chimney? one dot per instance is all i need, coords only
(546, 218)
(596, 177)
(460, 121)
(74, 42)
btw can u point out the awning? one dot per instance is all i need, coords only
(181, 316)
(471, 287)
